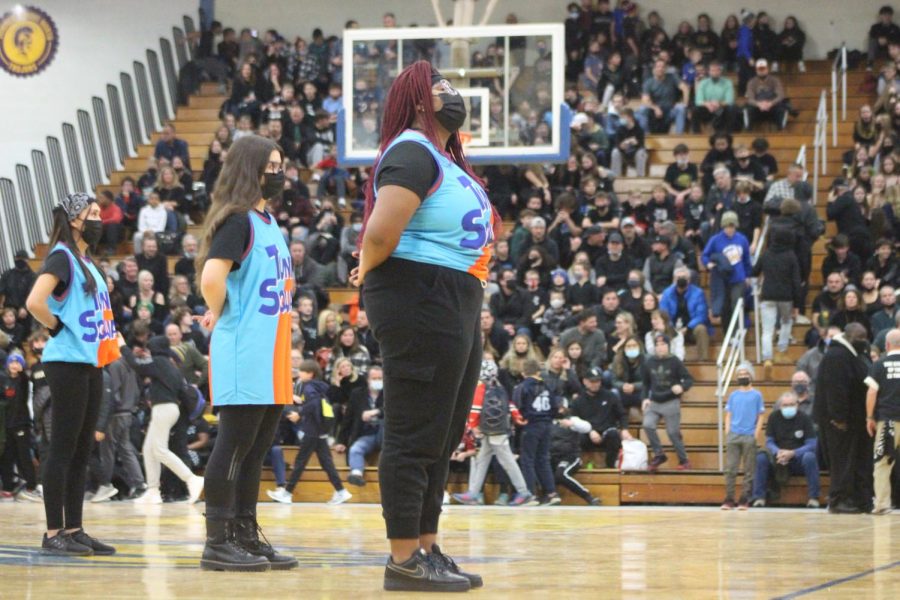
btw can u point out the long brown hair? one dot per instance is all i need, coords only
(237, 188)
(61, 233)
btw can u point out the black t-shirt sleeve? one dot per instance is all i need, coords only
(231, 239)
(409, 165)
(58, 265)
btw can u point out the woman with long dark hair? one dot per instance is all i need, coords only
(248, 282)
(426, 245)
(70, 298)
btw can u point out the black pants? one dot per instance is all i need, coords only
(752, 115)
(565, 469)
(850, 464)
(426, 320)
(722, 120)
(308, 447)
(75, 391)
(610, 444)
(17, 452)
(232, 474)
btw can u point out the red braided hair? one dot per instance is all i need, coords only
(411, 90)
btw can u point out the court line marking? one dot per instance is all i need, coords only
(836, 582)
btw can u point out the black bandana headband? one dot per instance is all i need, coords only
(74, 204)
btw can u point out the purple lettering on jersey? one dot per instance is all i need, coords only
(95, 322)
(478, 221)
(277, 292)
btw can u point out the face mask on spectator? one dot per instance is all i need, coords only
(376, 385)
(557, 303)
(743, 381)
(800, 388)
(681, 283)
(357, 227)
(634, 283)
(788, 412)
(682, 161)
(632, 353)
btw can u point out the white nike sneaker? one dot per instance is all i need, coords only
(195, 488)
(151, 496)
(104, 493)
(280, 495)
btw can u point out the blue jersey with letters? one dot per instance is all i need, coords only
(453, 226)
(89, 332)
(250, 349)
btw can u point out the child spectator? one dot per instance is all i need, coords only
(743, 424)
(680, 175)
(310, 416)
(665, 380)
(565, 455)
(17, 448)
(490, 420)
(538, 409)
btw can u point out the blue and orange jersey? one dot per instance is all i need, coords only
(250, 349)
(453, 227)
(89, 329)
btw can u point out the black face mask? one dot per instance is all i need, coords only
(681, 284)
(453, 114)
(743, 381)
(273, 185)
(21, 264)
(634, 283)
(92, 232)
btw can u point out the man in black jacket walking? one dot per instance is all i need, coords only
(665, 380)
(840, 413)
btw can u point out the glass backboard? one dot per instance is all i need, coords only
(511, 76)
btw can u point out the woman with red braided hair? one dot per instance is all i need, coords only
(425, 248)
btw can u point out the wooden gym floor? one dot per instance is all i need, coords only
(558, 552)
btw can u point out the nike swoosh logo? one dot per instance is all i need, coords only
(419, 571)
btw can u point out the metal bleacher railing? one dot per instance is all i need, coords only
(839, 66)
(142, 102)
(731, 354)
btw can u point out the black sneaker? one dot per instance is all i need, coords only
(843, 508)
(99, 548)
(247, 532)
(474, 580)
(356, 480)
(656, 461)
(62, 544)
(422, 573)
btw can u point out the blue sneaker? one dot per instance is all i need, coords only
(502, 500)
(520, 499)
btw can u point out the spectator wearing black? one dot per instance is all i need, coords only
(581, 292)
(635, 245)
(851, 309)
(841, 259)
(790, 44)
(608, 419)
(705, 39)
(308, 274)
(840, 413)
(244, 98)
(320, 139)
(169, 146)
(628, 146)
(604, 213)
(186, 263)
(131, 202)
(884, 263)
(749, 213)
(15, 285)
(747, 169)
(509, 304)
(843, 209)
(664, 381)
(152, 260)
(661, 207)
(696, 217)
(882, 34)
(660, 266)
(612, 268)
(589, 336)
(680, 246)
(606, 313)
(721, 197)
(680, 175)
(720, 153)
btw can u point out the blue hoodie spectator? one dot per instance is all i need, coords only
(735, 249)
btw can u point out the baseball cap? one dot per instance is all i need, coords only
(661, 336)
(627, 221)
(594, 374)
(729, 218)
(593, 230)
(762, 64)
(658, 239)
(578, 120)
(615, 238)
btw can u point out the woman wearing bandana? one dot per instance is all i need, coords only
(425, 248)
(70, 298)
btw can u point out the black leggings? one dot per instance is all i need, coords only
(232, 474)
(76, 390)
(318, 446)
(426, 319)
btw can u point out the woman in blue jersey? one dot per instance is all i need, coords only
(424, 256)
(247, 281)
(70, 298)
